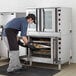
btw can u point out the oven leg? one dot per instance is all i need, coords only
(70, 59)
(69, 62)
(29, 57)
(30, 61)
(59, 66)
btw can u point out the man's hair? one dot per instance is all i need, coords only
(31, 16)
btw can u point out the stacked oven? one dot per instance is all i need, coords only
(51, 35)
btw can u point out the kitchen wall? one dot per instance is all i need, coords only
(21, 5)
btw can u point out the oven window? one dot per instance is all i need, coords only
(48, 19)
(31, 27)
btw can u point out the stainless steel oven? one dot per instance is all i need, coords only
(51, 35)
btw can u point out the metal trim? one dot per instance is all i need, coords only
(56, 23)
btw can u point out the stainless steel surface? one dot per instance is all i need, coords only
(43, 34)
(38, 19)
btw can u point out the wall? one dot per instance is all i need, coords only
(21, 5)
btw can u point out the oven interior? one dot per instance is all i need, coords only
(43, 47)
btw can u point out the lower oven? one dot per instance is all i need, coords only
(46, 49)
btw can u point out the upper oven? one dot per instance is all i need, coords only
(45, 19)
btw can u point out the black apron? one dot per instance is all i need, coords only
(12, 39)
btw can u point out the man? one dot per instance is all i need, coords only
(11, 30)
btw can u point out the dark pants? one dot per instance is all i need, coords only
(12, 39)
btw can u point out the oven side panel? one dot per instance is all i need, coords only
(64, 49)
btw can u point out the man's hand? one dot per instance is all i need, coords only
(21, 43)
(25, 40)
(28, 45)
